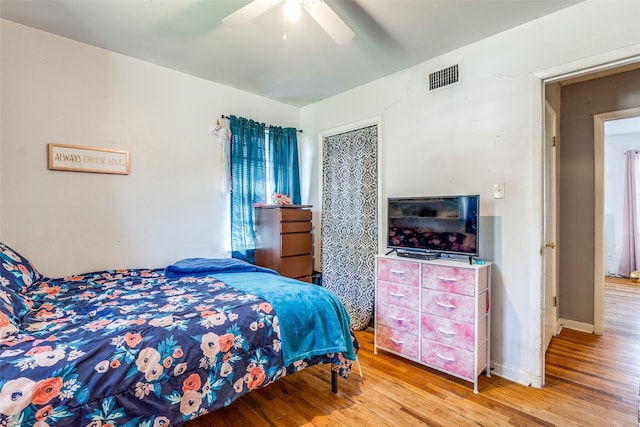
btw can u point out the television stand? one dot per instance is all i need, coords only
(419, 255)
(435, 313)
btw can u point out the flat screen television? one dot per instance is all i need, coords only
(434, 225)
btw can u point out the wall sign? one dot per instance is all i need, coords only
(86, 159)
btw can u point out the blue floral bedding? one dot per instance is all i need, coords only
(133, 348)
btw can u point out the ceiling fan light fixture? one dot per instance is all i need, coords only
(292, 10)
(330, 22)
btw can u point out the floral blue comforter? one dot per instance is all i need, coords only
(134, 348)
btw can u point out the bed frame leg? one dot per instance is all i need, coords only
(334, 381)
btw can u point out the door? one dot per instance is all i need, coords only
(549, 250)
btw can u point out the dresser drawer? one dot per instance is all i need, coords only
(449, 279)
(451, 306)
(296, 227)
(296, 266)
(447, 358)
(399, 342)
(288, 214)
(451, 332)
(295, 244)
(392, 270)
(398, 318)
(391, 293)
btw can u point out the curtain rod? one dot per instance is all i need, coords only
(227, 117)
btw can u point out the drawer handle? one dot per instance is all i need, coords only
(448, 359)
(396, 341)
(398, 319)
(446, 332)
(393, 294)
(447, 279)
(392, 271)
(445, 305)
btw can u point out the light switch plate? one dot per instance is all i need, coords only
(498, 191)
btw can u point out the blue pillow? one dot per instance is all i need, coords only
(16, 272)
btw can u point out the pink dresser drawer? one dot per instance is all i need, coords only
(391, 293)
(450, 332)
(450, 306)
(449, 279)
(392, 270)
(399, 342)
(447, 358)
(399, 318)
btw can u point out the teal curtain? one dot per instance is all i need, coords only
(283, 159)
(248, 183)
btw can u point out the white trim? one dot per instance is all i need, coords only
(511, 374)
(536, 312)
(576, 326)
(598, 255)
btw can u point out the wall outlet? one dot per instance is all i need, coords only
(498, 191)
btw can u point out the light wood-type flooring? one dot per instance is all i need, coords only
(590, 381)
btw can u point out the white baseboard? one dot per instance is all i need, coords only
(578, 326)
(511, 374)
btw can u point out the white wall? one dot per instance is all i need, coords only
(169, 207)
(486, 130)
(614, 170)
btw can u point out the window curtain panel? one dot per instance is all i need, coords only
(349, 240)
(284, 168)
(248, 183)
(630, 260)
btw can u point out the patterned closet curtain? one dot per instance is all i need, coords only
(349, 229)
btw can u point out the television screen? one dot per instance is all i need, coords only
(441, 224)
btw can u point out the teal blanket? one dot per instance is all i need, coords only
(323, 328)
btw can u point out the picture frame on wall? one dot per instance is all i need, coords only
(76, 158)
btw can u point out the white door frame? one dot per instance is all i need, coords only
(598, 256)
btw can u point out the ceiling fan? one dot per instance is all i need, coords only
(318, 9)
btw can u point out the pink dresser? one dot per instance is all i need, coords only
(436, 313)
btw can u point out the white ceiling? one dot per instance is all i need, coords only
(188, 36)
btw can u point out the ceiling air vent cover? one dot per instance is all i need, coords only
(445, 77)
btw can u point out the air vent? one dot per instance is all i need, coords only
(445, 77)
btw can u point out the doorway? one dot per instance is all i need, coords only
(603, 134)
(349, 224)
(578, 307)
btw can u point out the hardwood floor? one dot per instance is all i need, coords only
(591, 381)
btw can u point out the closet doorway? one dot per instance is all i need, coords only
(349, 220)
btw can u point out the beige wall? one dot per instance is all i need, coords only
(580, 102)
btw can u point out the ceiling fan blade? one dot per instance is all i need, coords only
(250, 11)
(330, 22)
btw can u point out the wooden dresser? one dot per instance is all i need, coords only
(435, 313)
(284, 241)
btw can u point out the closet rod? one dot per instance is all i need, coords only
(227, 117)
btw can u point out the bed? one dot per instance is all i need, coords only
(156, 347)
